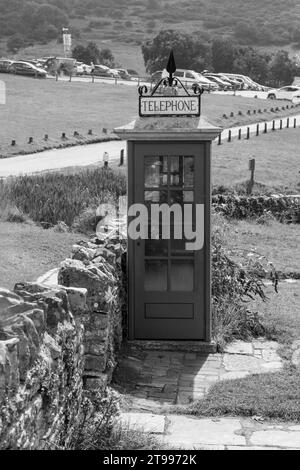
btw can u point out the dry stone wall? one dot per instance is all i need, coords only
(56, 341)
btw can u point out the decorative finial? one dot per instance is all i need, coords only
(171, 68)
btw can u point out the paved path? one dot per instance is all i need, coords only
(84, 155)
(156, 380)
(151, 383)
(190, 433)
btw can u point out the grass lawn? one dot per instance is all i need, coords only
(277, 160)
(28, 251)
(38, 107)
(279, 243)
(271, 395)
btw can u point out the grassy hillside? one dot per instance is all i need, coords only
(124, 25)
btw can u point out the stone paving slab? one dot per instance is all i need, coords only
(149, 423)
(224, 433)
(178, 377)
(192, 432)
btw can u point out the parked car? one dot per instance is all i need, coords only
(103, 71)
(236, 85)
(25, 68)
(285, 93)
(123, 74)
(240, 79)
(83, 69)
(190, 77)
(5, 65)
(156, 76)
(222, 84)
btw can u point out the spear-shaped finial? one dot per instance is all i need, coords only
(171, 67)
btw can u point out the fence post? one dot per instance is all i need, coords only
(219, 140)
(295, 123)
(240, 134)
(266, 128)
(229, 136)
(251, 181)
(257, 129)
(273, 127)
(280, 124)
(248, 133)
(121, 158)
(288, 123)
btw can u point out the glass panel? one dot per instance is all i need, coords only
(156, 247)
(188, 172)
(156, 171)
(182, 275)
(175, 173)
(155, 197)
(181, 197)
(156, 275)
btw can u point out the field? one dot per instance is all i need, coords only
(35, 108)
(277, 161)
(28, 251)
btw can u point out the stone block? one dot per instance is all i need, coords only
(97, 363)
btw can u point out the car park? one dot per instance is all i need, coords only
(26, 68)
(291, 93)
(222, 84)
(190, 78)
(5, 65)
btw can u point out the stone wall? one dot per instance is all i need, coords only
(97, 268)
(54, 341)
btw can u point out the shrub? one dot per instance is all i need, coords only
(283, 208)
(233, 286)
(101, 429)
(55, 197)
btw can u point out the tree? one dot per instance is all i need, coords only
(91, 53)
(282, 69)
(79, 53)
(223, 54)
(106, 58)
(249, 61)
(189, 52)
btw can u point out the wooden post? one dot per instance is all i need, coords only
(240, 134)
(251, 181)
(219, 140)
(273, 127)
(229, 136)
(257, 129)
(295, 123)
(121, 158)
(248, 133)
(288, 123)
(266, 128)
(280, 124)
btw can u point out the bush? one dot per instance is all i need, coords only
(101, 429)
(233, 286)
(283, 208)
(55, 197)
